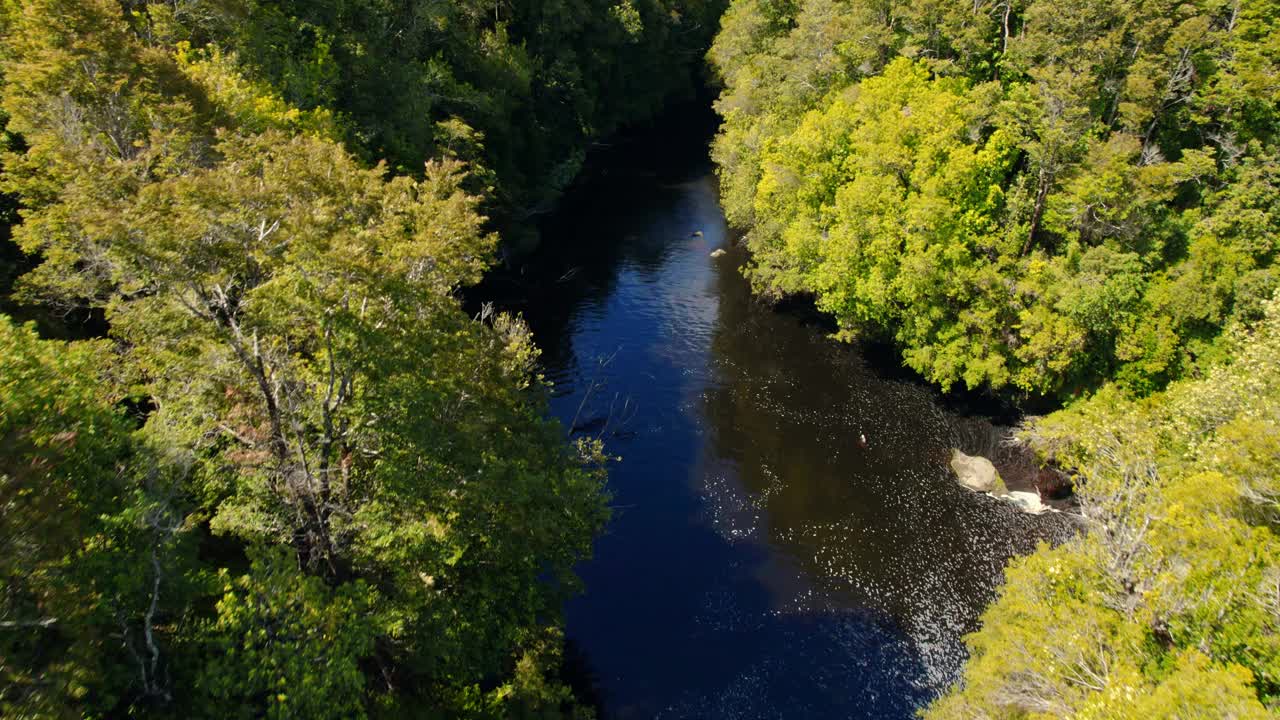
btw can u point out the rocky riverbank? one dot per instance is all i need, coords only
(993, 461)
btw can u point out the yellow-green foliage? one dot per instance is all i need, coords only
(284, 645)
(1169, 604)
(1020, 193)
(879, 201)
(61, 477)
(344, 496)
(250, 105)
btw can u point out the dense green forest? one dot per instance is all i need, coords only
(1030, 195)
(1169, 605)
(280, 472)
(1078, 200)
(294, 478)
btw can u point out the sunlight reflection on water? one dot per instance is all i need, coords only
(761, 561)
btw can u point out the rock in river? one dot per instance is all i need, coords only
(976, 473)
(1027, 502)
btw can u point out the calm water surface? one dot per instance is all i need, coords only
(761, 562)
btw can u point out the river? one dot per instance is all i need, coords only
(762, 560)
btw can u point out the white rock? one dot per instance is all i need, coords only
(718, 252)
(1028, 502)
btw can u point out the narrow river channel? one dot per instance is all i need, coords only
(762, 561)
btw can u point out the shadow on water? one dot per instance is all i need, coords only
(762, 561)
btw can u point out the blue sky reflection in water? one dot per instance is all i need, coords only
(761, 562)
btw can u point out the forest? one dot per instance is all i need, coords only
(1075, 201)
(257, 460)
(278, 471)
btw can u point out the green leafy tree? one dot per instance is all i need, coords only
(1113, 152)
(370, 470)
(883, 204)
(1166, 606)
(286, 645)
(96, 567)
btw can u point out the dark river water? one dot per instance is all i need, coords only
(762, 562)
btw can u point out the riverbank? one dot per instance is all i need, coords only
(761, 559)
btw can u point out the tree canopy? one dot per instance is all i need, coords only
(1024, 195)
(296, 479)
(1168, 606)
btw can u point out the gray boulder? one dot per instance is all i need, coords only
(976, 473)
